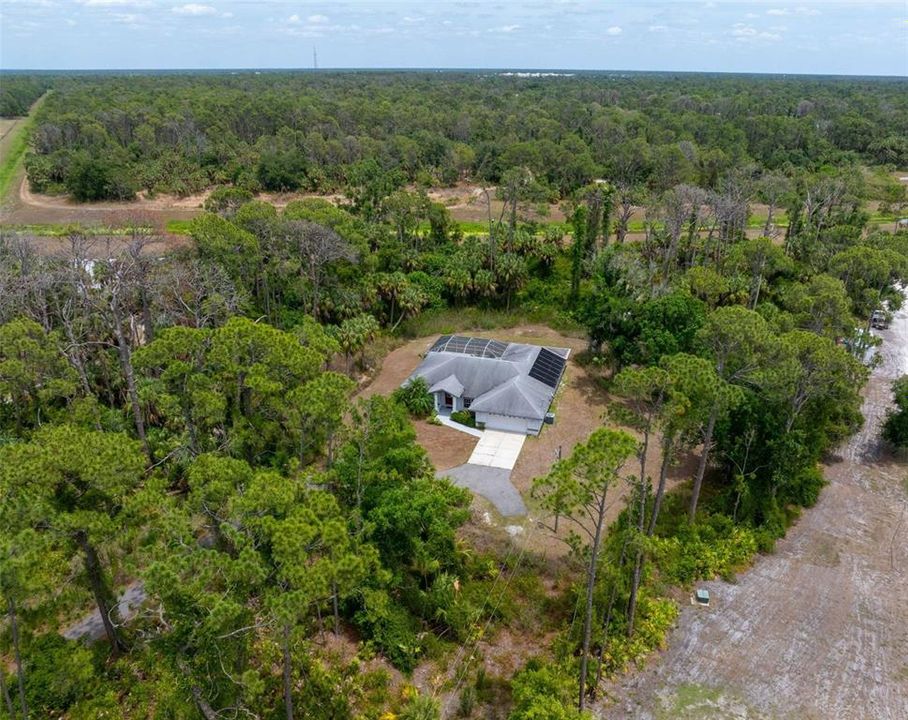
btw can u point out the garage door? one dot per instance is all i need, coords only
(502, 422)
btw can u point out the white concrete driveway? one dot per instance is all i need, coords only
(497, 449)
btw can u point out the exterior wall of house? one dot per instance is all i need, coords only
(507, 423)
(440, 403)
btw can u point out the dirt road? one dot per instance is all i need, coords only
(819, 629)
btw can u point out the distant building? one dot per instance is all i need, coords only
(507, 386)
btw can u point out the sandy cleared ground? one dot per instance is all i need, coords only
(579, 399)
(466, 202)
(819, 629)
(579, 407)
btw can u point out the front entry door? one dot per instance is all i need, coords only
(449, 401)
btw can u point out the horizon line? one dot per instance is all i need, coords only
(497, 69)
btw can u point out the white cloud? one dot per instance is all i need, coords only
(318, 19)
(778, 11)
(614, 30)
(658, 28)
(746, 33)
(801, 10)
(32, 3)
(295, 19)
(114, 3)
(506, 28)
(133, 21)
(193, 9)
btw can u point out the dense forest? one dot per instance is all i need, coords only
(189, 423)
(109, 136)
(19, 92)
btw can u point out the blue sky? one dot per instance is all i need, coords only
(727, 35)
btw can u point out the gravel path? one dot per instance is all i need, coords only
(820, 628)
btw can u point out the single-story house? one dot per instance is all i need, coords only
(507, 386)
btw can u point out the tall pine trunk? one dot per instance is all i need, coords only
(638, 560)
(202, 704)
(701, 467)
(288, 677)
(660, 491)
(607, 615)
(590, 587)
(100, 591)
(7, 700)
(17, 653)
(129, 374)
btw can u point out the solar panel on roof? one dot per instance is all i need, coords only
(477, 347)
(440, 343)
(547, 368)
(496, 348)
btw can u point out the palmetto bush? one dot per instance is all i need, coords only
(416, 398)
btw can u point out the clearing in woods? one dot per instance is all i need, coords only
(579, 406)
(818, 629)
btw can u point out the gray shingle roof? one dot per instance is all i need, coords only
(499, 385)
(449, 385)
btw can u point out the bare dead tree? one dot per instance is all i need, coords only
(684, 207)
(771, 190)
(117, 280)
(194, 292)
(72, 304)
(731, 208)
(627, 198)
(142, 264)
(317, 247)
(27, 280)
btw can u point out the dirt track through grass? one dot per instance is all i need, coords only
(817, 630)
(13, 145)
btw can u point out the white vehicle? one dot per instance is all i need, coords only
(880, 320)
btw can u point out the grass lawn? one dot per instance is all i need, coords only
(64, 229)
(178, 227)
(14, 148)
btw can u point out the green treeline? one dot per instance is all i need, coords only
(19, 92)
(110, 136)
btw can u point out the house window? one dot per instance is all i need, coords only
(467, 402)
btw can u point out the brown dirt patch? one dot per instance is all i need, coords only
(466, 202)
(447, 447)
(817, 629)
